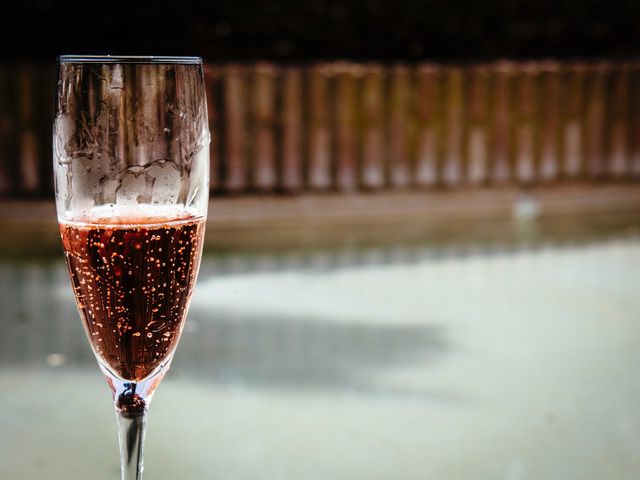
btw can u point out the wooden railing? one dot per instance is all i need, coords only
(348, 127)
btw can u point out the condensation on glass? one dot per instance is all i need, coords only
(130, 131)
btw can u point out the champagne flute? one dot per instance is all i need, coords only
(131, 169)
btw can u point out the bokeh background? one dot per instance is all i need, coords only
(422, 250)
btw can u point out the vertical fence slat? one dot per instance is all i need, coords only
(634, 119)
(6, 125)
(235, 128)
(319, 144)
(573, 128)
(594, 120)
(427, 116)
(399, 91)
(451, 170)
(264, 136)
(291, 175)
(45, 111)
(476, 131)
(501, 129)
(549, 122)
(345, 128)
(618, 149)
(29, 154)
(526, 106)
(372, 170)
(211, 77)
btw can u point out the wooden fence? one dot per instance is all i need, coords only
(349, 127)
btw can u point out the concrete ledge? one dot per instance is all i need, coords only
(311, 221)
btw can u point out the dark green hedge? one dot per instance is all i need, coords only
(319, 29)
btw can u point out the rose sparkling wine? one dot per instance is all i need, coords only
(132, 284)
(131, 171)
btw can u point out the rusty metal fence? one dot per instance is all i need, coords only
(349, 127)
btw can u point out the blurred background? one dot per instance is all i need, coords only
(422, 251)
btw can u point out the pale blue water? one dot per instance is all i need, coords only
(385, 363)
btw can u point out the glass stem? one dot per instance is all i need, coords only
(131, 413)
(131, 430)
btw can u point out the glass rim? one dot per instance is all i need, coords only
(160, 59)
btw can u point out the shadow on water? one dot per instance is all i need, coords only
(303, 352)
(42, 330)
